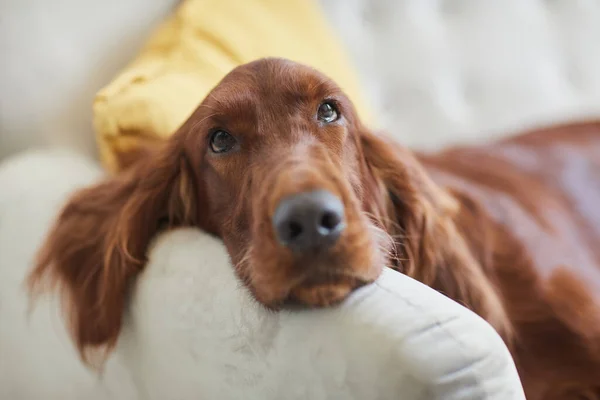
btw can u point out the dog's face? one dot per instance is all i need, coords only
(284, 182)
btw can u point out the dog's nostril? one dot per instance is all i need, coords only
(295, 230)
(330, 220)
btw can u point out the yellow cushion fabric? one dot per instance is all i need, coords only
(193, 49)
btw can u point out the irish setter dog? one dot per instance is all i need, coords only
(311, 205)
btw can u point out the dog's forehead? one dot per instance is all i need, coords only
(254, 98)
(273, 79)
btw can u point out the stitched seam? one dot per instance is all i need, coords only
(476, 376)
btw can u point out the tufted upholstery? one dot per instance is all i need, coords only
(452, 70)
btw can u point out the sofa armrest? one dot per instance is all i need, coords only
(193, 331)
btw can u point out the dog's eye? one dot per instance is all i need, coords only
(327, 112)
(222, 142)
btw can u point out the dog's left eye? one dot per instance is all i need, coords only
(222, 141)
(327, 112)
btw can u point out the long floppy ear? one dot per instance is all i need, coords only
(421, 217)
(98, 243)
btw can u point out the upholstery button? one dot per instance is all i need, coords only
(376, 14)
(472, 91)
(452, 7)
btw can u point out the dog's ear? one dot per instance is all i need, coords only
(98, 243)
(422, 217)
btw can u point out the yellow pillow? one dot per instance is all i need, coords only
(193, 49)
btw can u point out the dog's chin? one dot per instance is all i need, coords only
(322, 294)
(311, 291)
(322, 291)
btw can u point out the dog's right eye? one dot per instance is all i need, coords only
(222, 141)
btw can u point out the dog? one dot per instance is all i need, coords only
(311, 204)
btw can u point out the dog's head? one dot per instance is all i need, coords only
(276, 162)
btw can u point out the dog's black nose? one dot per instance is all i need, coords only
(309, 221)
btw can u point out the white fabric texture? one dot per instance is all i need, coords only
(439, 71)
(192, 330)
(55, 56)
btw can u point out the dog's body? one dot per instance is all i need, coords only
(530, 211)
(310, 204)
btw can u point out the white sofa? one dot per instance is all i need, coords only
(437, 71)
